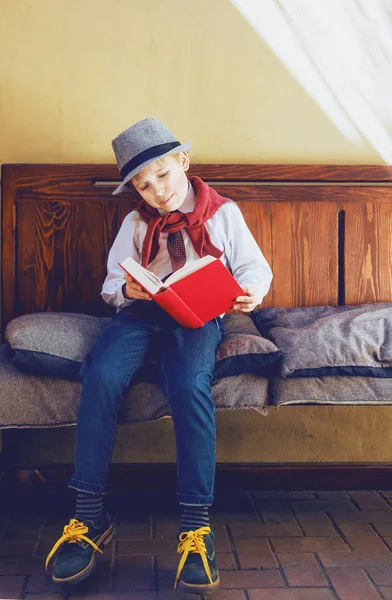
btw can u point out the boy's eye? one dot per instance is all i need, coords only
(163, 174)
(144, 187)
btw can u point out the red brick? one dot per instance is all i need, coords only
(133, 531)
(316, 524)
(227, 595)
(381, 575)
(169, 562)
(167, 591)
(251, 579)
(11, 587)
(352, 584)
(360, 558)
(158, 546)
(292, 594)
(232, 517)
(361, 535)
(284, 495)
(332, 505)
(384, 528)
(331, 495)
(21, 565)
(22, 528)
(309, 544)
(388, 540)
(254, 530)
(134, 573)
(175, 594)
(16, 548)
(41, 584)
(369, 501)
(254, 553)
(275, 512)
(386, 592)
(112, 596)
(302, 570)
(362, 516)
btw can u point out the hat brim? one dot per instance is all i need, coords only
(182, 148)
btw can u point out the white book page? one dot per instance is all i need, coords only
(189, 268)
(147, 279)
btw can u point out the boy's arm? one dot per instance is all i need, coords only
(124, 245)
(246, 260)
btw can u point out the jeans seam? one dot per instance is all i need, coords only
(114, 428)
(168, 396)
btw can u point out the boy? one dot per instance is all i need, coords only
(177, 220)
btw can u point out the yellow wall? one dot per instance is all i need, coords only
(74, 73)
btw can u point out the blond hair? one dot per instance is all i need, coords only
(163, 159)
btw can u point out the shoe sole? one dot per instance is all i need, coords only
(207, 588)
(103, 541)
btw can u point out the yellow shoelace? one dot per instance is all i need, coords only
(192, 541)
(73, 532)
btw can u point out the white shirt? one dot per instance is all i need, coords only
(228, 232)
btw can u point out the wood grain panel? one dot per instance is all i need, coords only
(59, 221)
(25, 276)
(305, 254)
(258, 218)
(368, 251)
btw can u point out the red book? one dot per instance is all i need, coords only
(194, 294)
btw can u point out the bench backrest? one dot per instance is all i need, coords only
(325, 230)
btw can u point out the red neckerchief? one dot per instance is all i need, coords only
(207, 203)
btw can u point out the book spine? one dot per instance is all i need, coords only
(177, 309)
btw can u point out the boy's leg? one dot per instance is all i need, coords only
(106, 373)
(188, 362)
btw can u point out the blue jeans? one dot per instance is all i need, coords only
(187, 359)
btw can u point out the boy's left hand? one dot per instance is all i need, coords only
(246, 303)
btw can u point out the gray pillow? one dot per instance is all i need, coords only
(55, 344)
(324, 340)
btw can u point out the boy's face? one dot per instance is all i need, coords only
(164, 183)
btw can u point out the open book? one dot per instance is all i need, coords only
(193, 295)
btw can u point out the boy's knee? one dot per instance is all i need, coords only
(97, 372)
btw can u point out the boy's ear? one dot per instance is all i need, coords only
(184, 156)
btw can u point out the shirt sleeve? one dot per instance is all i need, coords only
(123, 246)
(247, 262)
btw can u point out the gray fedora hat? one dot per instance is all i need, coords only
(142, 144)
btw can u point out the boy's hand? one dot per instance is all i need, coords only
(132, 290)
(246, 303)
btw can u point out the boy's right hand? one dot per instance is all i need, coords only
(132, 290)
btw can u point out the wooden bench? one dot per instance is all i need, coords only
(326, 232)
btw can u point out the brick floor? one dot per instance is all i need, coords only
(270, 545)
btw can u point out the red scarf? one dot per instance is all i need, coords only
(207, 203)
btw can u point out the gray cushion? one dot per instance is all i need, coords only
(28, 400)
(324, 340)
(336, 389)
(55, 344)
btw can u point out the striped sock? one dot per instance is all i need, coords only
(89, 507)
(194, 517)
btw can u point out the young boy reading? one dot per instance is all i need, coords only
(177, 221)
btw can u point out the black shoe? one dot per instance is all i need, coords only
(197, 571)
(75, 550)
